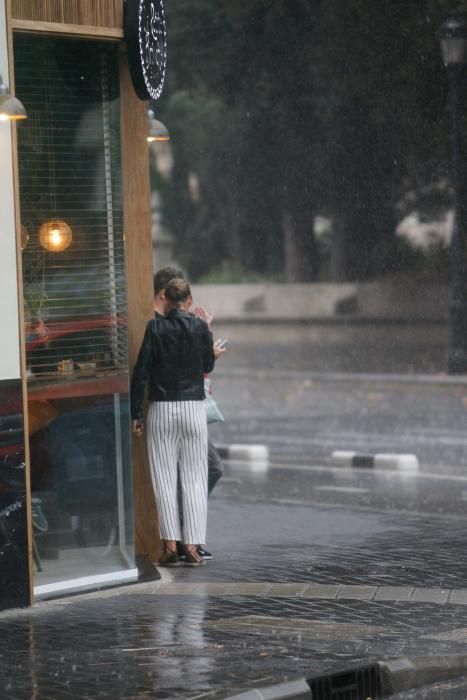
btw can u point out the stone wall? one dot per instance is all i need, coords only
(325, 302)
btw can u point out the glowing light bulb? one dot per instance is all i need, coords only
(55, 236)
(3, 117)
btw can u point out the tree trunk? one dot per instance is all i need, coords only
(231, 224)
(338, 262)
(301, 262)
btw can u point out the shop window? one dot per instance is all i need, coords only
(75, 306)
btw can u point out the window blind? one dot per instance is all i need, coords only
(70, 170)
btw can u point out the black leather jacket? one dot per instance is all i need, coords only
(177, 350)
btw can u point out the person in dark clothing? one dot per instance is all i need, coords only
(215, 467)
(176, 352)
(161, 280)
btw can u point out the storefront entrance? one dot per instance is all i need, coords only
(75, 311)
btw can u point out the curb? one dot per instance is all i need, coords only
(292, 690)
(406, 673)
(258, 454)
(378, 680)
(400, 462)
(396, 378)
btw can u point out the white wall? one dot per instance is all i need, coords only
(9, 332)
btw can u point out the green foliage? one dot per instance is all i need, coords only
(403, 262)
(293, 109)
(228, 272)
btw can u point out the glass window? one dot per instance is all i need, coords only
(75, 309)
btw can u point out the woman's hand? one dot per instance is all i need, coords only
(219, 348)
(138, 427)
(201, 312)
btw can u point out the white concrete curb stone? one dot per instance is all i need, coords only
(256, 455)
(292, 690)
(342, 459)
(399, 462)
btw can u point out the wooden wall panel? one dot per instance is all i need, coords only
(138, 253)
(88, 13)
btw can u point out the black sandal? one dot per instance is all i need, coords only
(192, 558)
(169, 558)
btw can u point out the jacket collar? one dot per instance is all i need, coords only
(178, 313)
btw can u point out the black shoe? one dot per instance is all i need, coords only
(180, 550)
(193, 559)
(169, 559)
(203, 552)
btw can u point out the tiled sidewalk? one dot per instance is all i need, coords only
(156, 641)
(253, 616)
(319, 591)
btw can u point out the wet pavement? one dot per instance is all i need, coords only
(315, 568)
(454, 690)
(307, 415)
(342, 346)
(293, 590)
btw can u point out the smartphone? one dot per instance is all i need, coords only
(222, 343)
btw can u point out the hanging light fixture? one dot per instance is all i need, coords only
(157, 130)
(11, 109)
(55, 235)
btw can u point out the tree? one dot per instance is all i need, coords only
(285, 110)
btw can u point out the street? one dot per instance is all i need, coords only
(316, 568)
(262, 206)
(317, 346)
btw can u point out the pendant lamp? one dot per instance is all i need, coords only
(55, 235)
(11, 109)
(157, 129)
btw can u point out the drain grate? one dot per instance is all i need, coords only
(354, 684)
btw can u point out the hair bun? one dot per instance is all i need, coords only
(177, 291)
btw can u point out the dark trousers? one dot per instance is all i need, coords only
(215, 468)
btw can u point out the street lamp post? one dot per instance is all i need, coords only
(453, 38)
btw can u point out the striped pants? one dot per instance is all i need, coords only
(177, 434)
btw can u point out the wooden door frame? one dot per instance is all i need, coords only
(139, 270)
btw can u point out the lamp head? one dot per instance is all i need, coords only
(11, 109)
(55, 235)
(157, 129)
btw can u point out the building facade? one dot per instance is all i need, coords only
(76, 507)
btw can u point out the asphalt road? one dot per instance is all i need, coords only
(354, 526)
(315, 568)
(415, 348)
(304, 416)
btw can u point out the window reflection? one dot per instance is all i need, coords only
(75, 308)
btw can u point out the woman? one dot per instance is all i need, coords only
(177, 350)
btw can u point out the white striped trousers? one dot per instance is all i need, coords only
(177, 435)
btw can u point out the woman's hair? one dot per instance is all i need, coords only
(177, 291)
